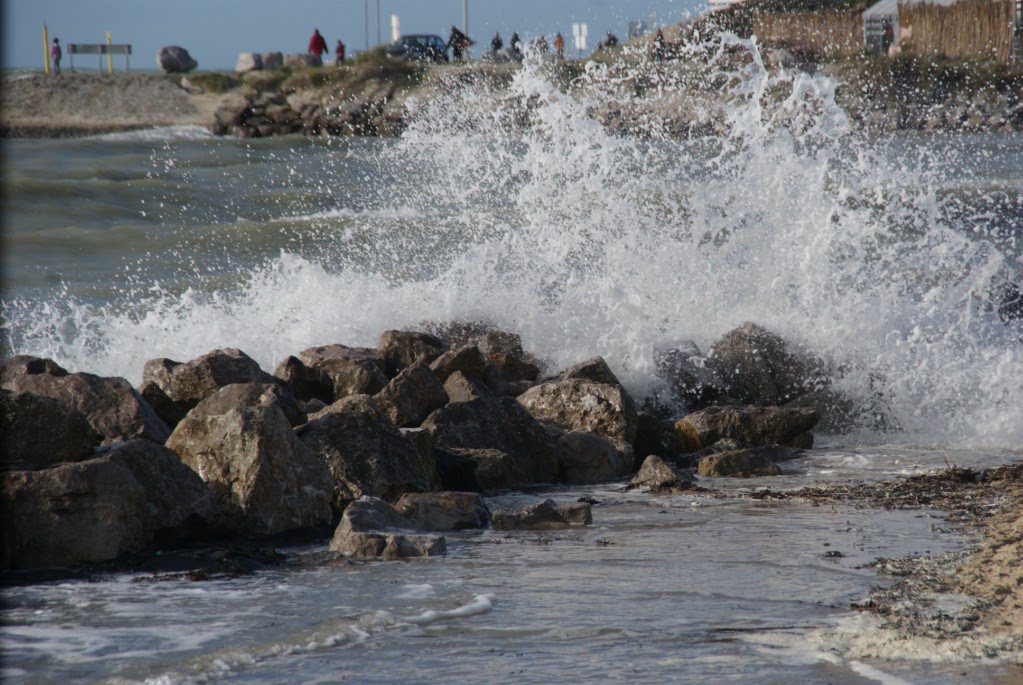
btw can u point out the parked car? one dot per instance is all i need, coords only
(419, 47)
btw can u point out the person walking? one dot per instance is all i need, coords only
(317, 46)
(458, 42)
(559, 45)
(339, 53)
(496, 43)
(55, 55)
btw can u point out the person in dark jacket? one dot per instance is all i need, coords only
(339, 53)
(317, 45)
(458, 42)
(496, 43)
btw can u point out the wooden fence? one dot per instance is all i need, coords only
(831, 33)
(970, 28)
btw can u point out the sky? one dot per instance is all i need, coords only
(215, 31)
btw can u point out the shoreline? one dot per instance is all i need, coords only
(368, 97)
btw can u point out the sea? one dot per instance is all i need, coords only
(895, 257)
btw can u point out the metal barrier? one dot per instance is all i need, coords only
(97, 49)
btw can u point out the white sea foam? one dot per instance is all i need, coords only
(480, 604)
(158, 134)
(588, 243)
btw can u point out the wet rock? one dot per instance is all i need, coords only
(544, 515)
(576, 404)
(690, 378)
(174, 59)
(512, 367)
(124, 499)
(467, 360)
(337, 371)
(411, 395)
(112, 407)
(27, 365)
(480, 470)
(654, 436)
(405, 348)
(594, 369)
(365, 452)
(659, 478)
(483, 334)
(238, 395)
(39, 432)
(444, 510)
(759, 367)
(461, 388)
(744, 463)
(191, 382)
(751, 426)
(589, 458)
(254, 461)
(272, 60)
(501, 424)
(371, 528)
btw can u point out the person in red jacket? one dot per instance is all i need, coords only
(317, 45)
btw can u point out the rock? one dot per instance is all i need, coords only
(544, 515)
(272, 60)
(512, 367)
(576, 404)
(745, 463)
(123, 500)
(337, 371)
(27, 365)
(299, 60)
(256, 462)
(758, 367)
(594, 369)
(480, 470)
(169, 411)
(371, 528)
(305, 383)
(189, 383)
(589, 458)
(238, 395)
(460, 388)
(468, 360)
(365, 452)
(690, 379)
(39, 432)
(405, 348)
(248, 61)
(500, 424)
(659, 478)
(751, 426)
(483, 334)
(444, 510)
(175, 60)
(654, 436)
(112, 407)
(411, 396)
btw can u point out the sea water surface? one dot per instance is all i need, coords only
(895, 258)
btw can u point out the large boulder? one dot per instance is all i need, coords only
(759, 367)
(744, 463)
(590, 458)
(482, 334)
(299, 60)
(594, 369)
(366, 453)
(659, 478)
(272, 60)
(480, 470)
(332, 372)
(751, 426)
(248, 61)
(27, 365)
(254, 461)
(371, 528)
(468, 360)
(39, 432)
(461, 388)
(129, 496)
(444, 510)
(654, 436)
(112, 407)
(582, 405)
(238, 395)
(545, 515)
(405, 348)
(187, 384)
(498, 424)
(174, 59)
(691, 380)
(411, 395)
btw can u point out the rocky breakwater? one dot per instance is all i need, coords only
(397, 442)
